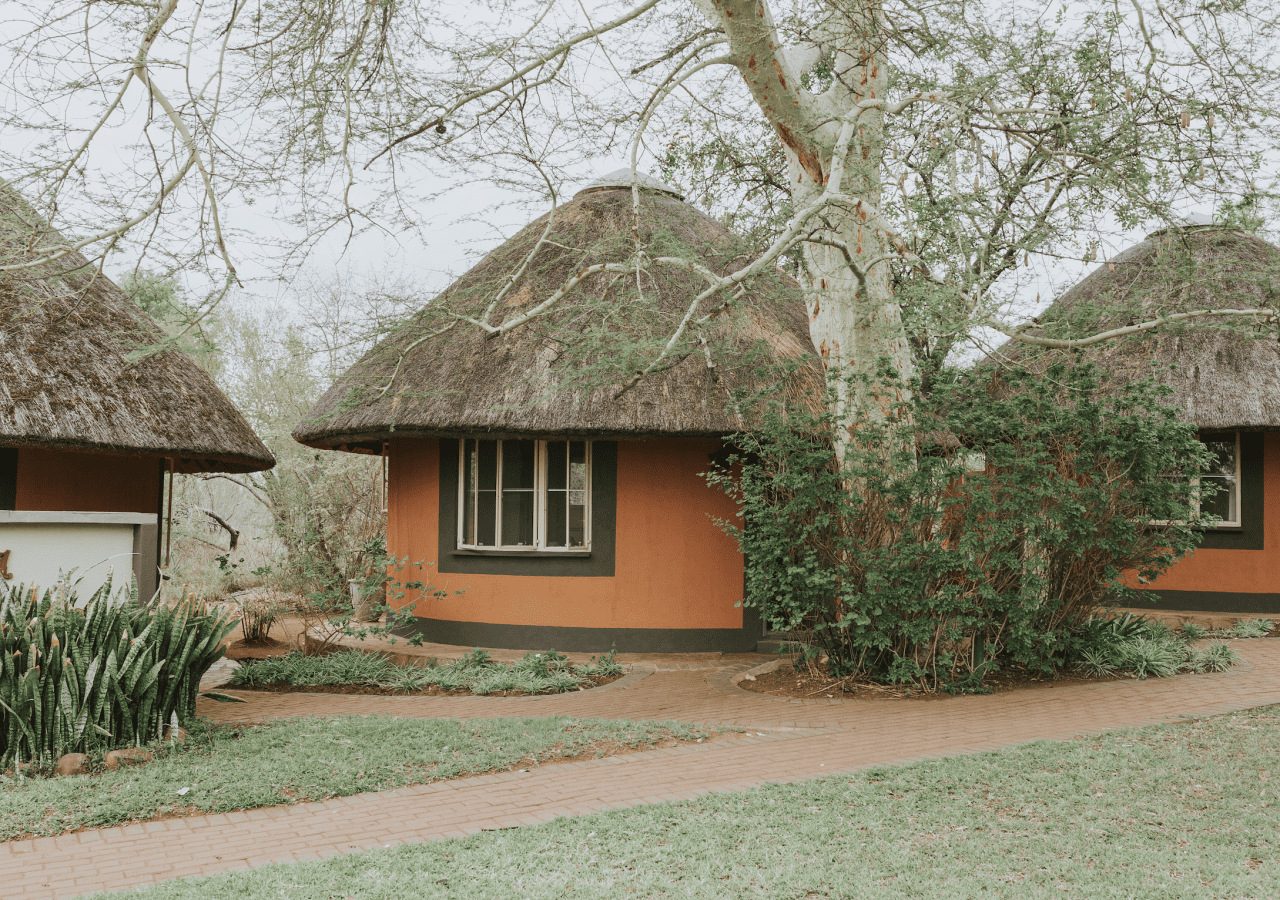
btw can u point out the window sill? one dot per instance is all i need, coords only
(523, 554)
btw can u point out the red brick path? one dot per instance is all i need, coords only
(787, 741)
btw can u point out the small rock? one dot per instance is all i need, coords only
(129, 756)
(175, 733)
(72, 764)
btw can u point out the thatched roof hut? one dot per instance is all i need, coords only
(560, 373)
(72, 378)
(1222, 374)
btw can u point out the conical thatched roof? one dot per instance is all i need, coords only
(67, 375)
(1221, 373)
(560, 372)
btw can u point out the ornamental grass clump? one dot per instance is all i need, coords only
(1129, 645)
(108, 673)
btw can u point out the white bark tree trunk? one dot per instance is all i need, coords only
(855, 321)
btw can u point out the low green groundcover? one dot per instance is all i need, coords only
(222, 768)
(1188, 810)
(547, 672)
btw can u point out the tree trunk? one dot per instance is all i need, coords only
(855, 321)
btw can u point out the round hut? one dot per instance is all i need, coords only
(1222, 373)
(553, 500)
(88, 423)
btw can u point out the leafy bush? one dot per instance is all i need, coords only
(535, 673)
(1193, 632)
(111, 673)
(914, 563)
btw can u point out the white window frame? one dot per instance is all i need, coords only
(539, 501)
(1235, 490)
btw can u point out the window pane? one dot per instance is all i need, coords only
(1222, 503)
(488, 464)
(517, 518)
(577, 465)
(1224, 457)
(479, 496)
(485, 518)
(557, 464)
(577, 526)
(517, 465)
(556, 519)
(468, 450)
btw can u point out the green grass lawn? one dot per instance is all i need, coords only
(1175, 811)
(224, 768)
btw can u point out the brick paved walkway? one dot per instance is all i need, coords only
(787, 741)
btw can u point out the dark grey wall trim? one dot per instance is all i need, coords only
(1218, 601)
(598, 563)
(8, 477)
(1249, 536)
(595, 640)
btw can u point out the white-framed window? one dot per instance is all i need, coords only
(531, 495)
(1224, 475)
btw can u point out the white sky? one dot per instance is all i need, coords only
(454, 230)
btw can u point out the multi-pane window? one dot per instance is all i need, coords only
(1222, 499)
(524, 495)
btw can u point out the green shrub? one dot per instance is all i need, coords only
(913, 562)
(1193, 632)
(110, 673)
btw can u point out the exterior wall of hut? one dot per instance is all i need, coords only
(92, 512)
(1243, 578)
(674, 578)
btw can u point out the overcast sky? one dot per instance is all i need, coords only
(463, 220)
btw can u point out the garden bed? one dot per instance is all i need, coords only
(1126, 646)
(804, 683)
(358, 672)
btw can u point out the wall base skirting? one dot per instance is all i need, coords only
(1217, 601)
(598, 640)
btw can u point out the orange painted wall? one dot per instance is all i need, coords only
(87, 482)
(674, 567)
(1238, 571)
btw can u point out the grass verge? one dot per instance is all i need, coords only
(221, 768)
(1189, 810)
(476, 673)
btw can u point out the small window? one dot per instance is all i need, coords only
(1223, 477)
(524, 495)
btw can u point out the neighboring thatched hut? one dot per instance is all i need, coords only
(556, 512)
(88, 426)
(1223, 374)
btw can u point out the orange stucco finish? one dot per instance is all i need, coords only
(86, 482)
(1238, 571)
(674, 567)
